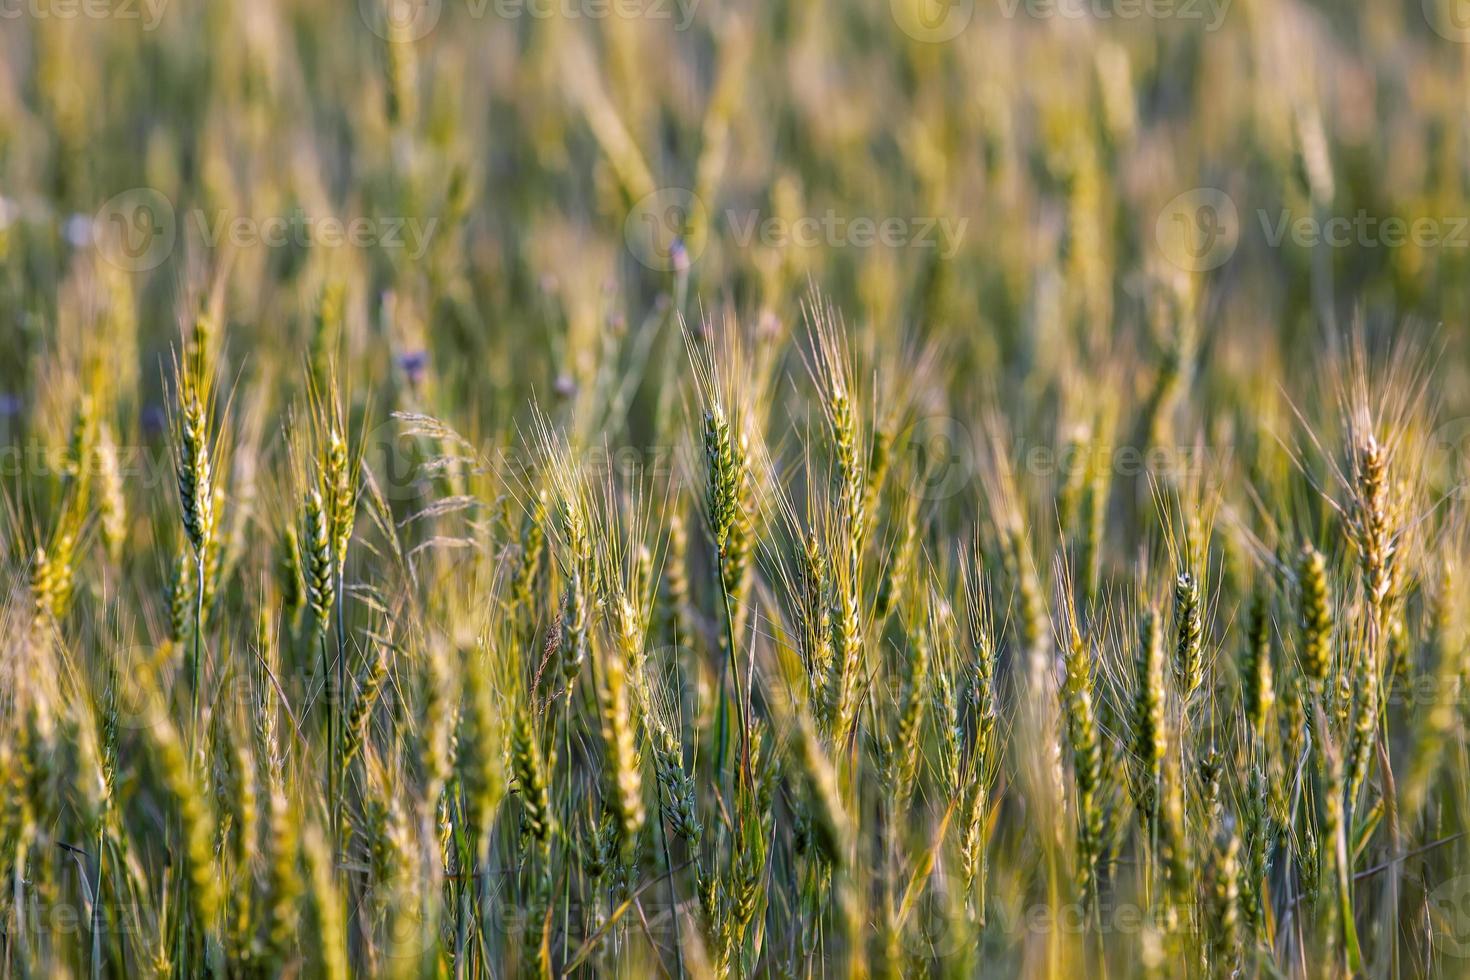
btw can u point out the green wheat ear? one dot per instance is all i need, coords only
(1150, 737)
(1260, 692)
(195, 478)
(618, 734)
(1316, 614)
(1189, 634)
(528, 764)
(1078, 701)
(316, 539)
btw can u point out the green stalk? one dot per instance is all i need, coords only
(733, 667)
(97, 909)
(663, 836)
(338, 716)
(194, 677)
(332, 780)
(566, 890)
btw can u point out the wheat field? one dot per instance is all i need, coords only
(685, 488)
